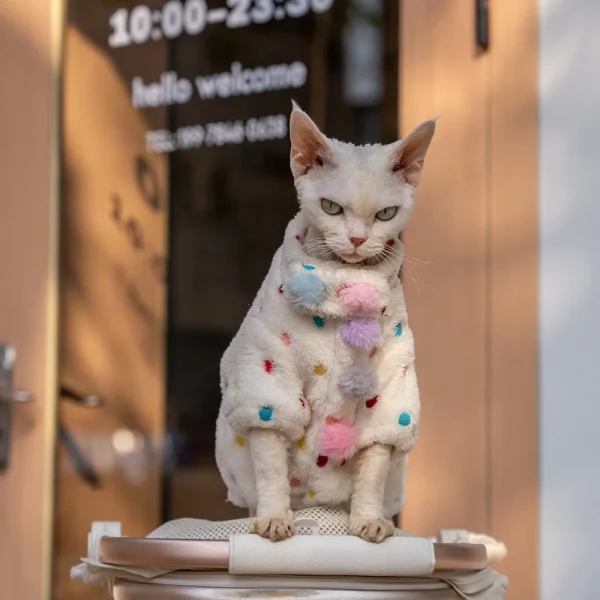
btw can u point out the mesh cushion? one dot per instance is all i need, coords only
(332, 521)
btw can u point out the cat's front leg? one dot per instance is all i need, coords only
(274, 518)
(367, 519)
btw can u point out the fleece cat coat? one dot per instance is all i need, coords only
(324, 357)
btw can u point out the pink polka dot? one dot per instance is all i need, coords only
(295, 482)
(373, 353)
(285, 338)
(268, 366)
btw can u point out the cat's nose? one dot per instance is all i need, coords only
(356, 241)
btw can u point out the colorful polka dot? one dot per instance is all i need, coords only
(302, 402)
(302, 443)
(343, 463)
(320, 369)
(330, 420)
(319, 322)
(240, 441)
(372, 402)
(265, 413)
(391, 242)
(280, 289)
(295, 482)
(285, 339)
(399, 464)
(373, 353)
(308, 267)
(404, 419)
(398, 329)
(312, 493)
(268, 366)
(322, 461)
(383, 309)
(236, 389)
(298, 236)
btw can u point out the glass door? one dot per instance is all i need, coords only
(175, 194)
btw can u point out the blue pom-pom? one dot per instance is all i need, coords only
(404, 419)
(265, 413)
(306, 290)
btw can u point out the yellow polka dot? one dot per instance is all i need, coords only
(240, 441)
(302, 443)
(399, 464)
(236, 389)
(312, 493)
(320, 369)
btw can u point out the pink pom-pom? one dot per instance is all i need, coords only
(338, 439)
(360, 297)
(362, 332)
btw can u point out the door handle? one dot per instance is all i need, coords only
(8, 398)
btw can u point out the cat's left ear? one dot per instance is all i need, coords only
(409, 154)
(309, 147)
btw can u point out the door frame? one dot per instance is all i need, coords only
(30, 63)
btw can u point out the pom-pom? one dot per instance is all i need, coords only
(358, 381)
(306, 290)
(362, 332)
(338, 440)
(360, 297)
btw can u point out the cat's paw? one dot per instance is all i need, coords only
(275, 529)
(371, 529)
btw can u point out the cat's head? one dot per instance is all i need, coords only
(356, 198)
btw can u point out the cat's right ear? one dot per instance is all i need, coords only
(309, 147)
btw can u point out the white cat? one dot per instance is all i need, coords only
(320, 397)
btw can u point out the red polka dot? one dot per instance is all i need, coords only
(269, 366)
(297, 236)
(295, 483)
(343, 463)
(322, 461)
(383, 309)
(280, 290)
(372, 402)
(373, 353)
(302, 402)
(285, 338)
(391, 242)
(261, 308)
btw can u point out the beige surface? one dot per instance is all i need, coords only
(513, 243)
(446, 266)
(112, 304)
(474, 305)
(28, 286)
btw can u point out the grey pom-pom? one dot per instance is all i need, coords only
(358, 381)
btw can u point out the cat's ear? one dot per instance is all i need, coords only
(409, 154)
(309, 147)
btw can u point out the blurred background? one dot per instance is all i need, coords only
(144, 164)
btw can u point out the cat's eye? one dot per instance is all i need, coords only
(386, 214)
(331, 207)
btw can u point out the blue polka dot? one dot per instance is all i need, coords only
(265, 413)
(319, 322)
(404, 419)
(398, 329)
(308, 267)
